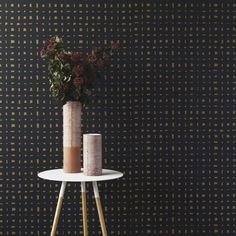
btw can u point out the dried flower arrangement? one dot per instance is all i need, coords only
(71, 74)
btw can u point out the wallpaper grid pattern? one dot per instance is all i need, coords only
(165, 107)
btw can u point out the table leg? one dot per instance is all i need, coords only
(99, 208)
(84, 208)
(58, 209)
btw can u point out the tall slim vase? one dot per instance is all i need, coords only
(72, 136)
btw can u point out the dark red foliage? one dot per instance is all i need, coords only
(65, 88)
(92, 59)
(43, 53)
(114, 45)
(47, 42)
(77, 82)
(78, 70)
(75, 57)
(51, 46)
(61, 55)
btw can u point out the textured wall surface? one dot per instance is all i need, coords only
(166, 109)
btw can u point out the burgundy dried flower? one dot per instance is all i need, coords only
(114, 45)
(47, 42)
(92, 59)
(65, 88)
(43, 53)
(77, 82)
(75, 57)
(61, 56)
(78, 70)
(51, 46)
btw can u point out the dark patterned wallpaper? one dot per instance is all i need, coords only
(166, 109)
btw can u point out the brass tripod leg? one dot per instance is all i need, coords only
(99, 208)
(84, 208)
(58, 209)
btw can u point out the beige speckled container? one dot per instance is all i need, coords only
(71, 136)
(92, 154)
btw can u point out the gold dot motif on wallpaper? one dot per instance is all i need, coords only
(166, 110)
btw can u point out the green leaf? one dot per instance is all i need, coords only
(67, 79)
(67, 67)
(51, 87)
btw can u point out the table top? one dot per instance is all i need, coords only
(60, 175)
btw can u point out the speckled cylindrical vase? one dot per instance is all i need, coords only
(72, 136)
(92, 154)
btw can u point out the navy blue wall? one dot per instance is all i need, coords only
(166, 109)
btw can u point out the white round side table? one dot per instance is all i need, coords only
(59, 175)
